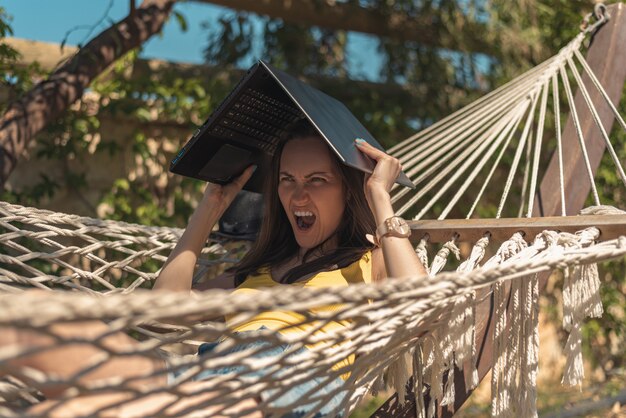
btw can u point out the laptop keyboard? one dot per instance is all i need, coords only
(256, 119)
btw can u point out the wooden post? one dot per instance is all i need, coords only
(607, 59)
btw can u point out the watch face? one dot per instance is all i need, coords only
(398, 224)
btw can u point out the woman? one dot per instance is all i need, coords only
(318, 209)
(307, 178)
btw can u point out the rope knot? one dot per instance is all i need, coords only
(601, 210)
(477, 254)
(588, 236)
(546, 239)
(512, 246)
(451, 247)
(566, 239)
(442, 256)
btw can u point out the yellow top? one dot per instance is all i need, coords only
(291, 322)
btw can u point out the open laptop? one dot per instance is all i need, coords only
(248, 125)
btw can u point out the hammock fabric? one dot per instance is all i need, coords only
(419, 327)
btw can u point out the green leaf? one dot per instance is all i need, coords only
(182, 21)
(143, 114)
(200, 91)
(122, 184)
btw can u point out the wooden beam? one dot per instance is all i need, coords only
(471, 230)
(351, 16)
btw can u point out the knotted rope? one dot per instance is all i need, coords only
(391, 322)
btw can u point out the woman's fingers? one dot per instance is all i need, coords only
(224, 195)
(243, 178)
(377, 154)
(232, 188)
(387, 167)
(369, 150)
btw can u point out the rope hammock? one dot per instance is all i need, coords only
(403, 329)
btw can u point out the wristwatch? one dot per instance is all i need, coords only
(395, 227)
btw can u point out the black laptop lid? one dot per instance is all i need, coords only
(250, 123)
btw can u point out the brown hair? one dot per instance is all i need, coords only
(276, 242)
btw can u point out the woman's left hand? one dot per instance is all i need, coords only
(398, 257)
(385, 173)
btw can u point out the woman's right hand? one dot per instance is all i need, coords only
(177, 272)
(221, 196)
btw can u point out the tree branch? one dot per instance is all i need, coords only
(28, 115)
(350, 16)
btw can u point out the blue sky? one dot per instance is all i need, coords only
(50, 21)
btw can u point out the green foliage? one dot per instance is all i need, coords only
(182, 22)
(164, 106)
(232, 43)
(158, 102)
(8, 55)
(523, 33)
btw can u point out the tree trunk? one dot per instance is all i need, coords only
(28, 115)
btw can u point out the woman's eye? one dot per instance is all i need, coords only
(318, 180)
(285, 179)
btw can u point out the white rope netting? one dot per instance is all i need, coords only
(46, 249)
(455, 160)
(387, 321)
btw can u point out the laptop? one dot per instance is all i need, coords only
(247, 127)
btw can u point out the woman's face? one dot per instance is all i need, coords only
(311, 190)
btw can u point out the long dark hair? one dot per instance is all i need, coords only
(276, 242)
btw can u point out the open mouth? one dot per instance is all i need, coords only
(304, 219)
